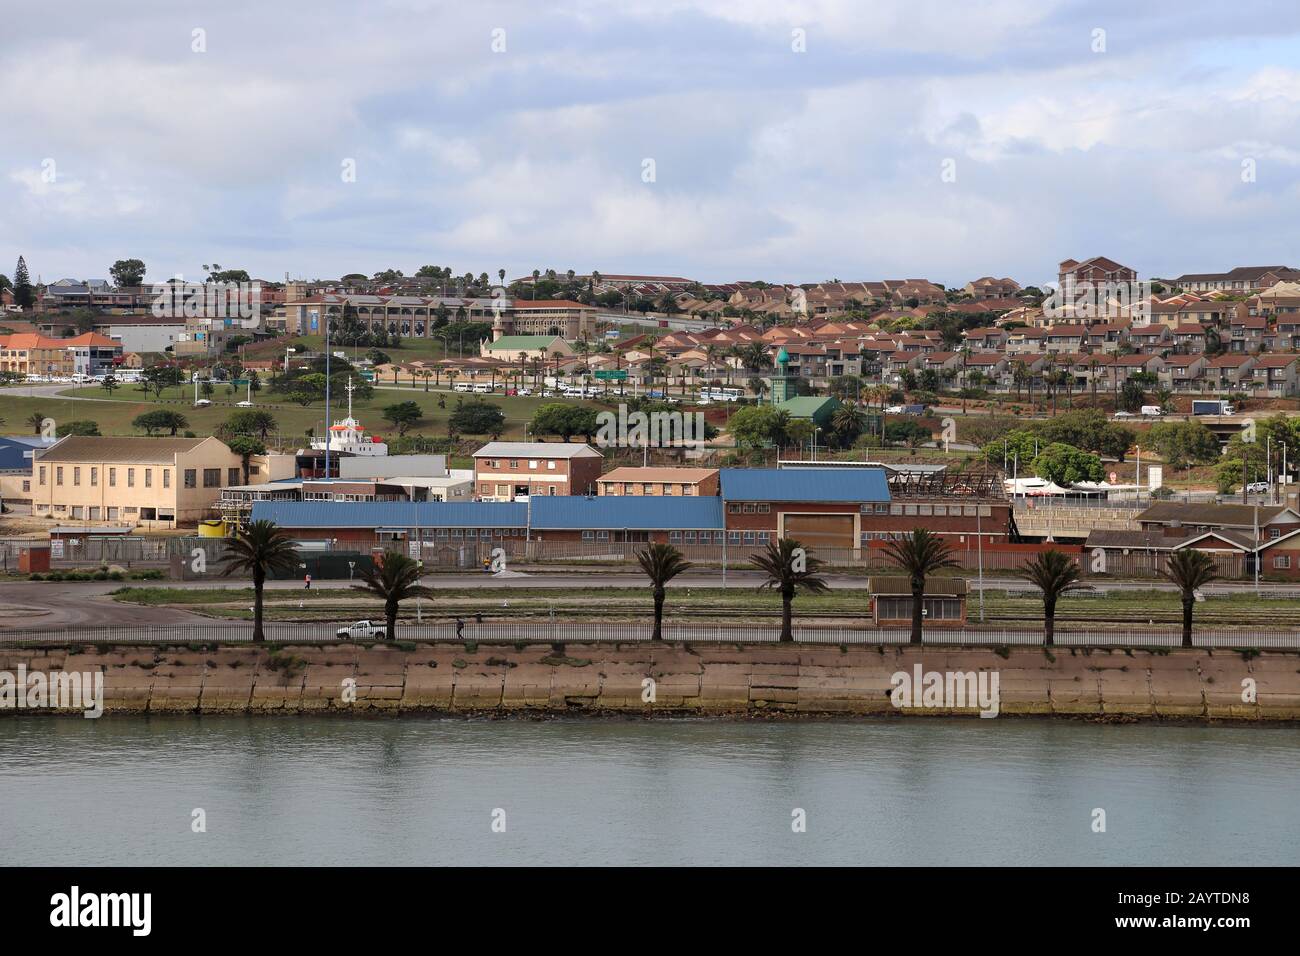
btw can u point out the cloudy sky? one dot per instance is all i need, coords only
(716, 139)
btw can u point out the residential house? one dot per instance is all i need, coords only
(1183, 373)
(666, 482)
(1229, 371)
(1275, 375)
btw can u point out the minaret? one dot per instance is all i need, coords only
(781, 380)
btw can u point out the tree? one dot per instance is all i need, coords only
(393, 578)
(478, 418)
(79, 427)
(558, 418)
(661, 563)
(1053, 573)
(109, 383)
(160, 420)
(1189, 570)
(36, 421)
(246, 446)
(24, 294)
(1131, 395)
(790, 568)
(258, 424)
(403, 415)
(759, 426)
(1066, 465)
(127, 272)
(261, 548)
(919, 555)
(155, 378)
(1182, 444)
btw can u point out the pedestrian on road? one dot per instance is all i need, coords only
(487, 566)
(460, 629)
(307, 578)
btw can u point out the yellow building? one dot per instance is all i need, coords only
(148, 482)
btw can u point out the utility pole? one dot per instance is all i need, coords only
(979, 540)
(328, 436)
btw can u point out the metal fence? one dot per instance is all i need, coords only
(469, 630)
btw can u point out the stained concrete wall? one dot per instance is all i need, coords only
(701, 679)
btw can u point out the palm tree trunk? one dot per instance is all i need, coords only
(658, 634)
(259, 579)
(1049, 622)
(918, 598)
(787, 632)
(390, 615)
(1188, 602)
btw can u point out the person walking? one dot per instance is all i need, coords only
(307, 579)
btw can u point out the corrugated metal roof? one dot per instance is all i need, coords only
(392, 514)
(112, 448)
(536, 449)
(615, 512)
(804, 484)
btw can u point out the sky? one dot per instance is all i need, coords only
(714, 139)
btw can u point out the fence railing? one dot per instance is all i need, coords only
(470, 630)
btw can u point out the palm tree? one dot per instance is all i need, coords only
(1053, 573)
(789, 568)
(35, 420)
(919, 555)
(393, 577)
(1189, 569)
(261, 548)
(661, 563)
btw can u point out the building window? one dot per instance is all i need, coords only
(675, 536)
(514, 462)
(167, 477)
(551, 491)
(647, 488)
(690, 537)
(588, 536)
(42, 475)
(58, 475)
(94, 513)
(1275, 533)
(609, 487)
(94, 477)
(130, 477)
(148, 477)
(76, 511)
(733, 537)
(1282, 561)
(550, 465)
(749, 537)
(232, 476)
(112, 477)
(687, 490)
(112, 514)
(602, 535)
(733, 509)
(532, 463)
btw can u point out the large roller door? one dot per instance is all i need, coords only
(821, 531)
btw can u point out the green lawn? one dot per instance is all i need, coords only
(115, 415)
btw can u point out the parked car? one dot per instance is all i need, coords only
(202, 403)
(1257, 487)
(362, 630)
(894, 410)
(1122, 414)
(244, 404)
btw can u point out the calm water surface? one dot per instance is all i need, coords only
(423, 791)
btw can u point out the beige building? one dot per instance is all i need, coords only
(147, 482)
(659, 481)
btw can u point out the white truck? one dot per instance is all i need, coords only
(1211, 407)
(1151, 411)
(362, 630)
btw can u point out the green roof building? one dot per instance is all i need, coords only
(817, 409)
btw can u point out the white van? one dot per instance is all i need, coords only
(482, 388)
(1151, 411)
(463, 386)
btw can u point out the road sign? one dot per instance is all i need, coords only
(612, 375)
